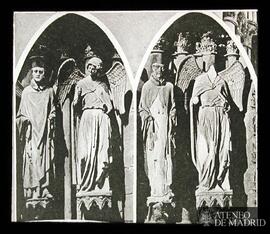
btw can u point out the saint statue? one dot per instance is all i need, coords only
(211, 131)
(35, 122)
(158, 115)
(92, 102)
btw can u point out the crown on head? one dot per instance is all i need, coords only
(161, 44)
(182, 44)
(207, 44)
(88, 52)
(231, 48)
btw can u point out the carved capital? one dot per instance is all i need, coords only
(246, 29)
(230, 16)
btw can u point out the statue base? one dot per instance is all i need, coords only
(185, 217)
(94, 206)
(160, 210)
(39, 208)
(213, 198)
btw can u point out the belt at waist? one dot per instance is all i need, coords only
(92, 109)
(204, 106)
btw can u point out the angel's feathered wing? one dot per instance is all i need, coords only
(118, 82)
(65, 88)
(67, 84)
(235, 78)
(19, 89)
(188, 70)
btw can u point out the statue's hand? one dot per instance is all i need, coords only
(195, 100)
(227, 107)
(52, 116)
(52, 125)
(28, 132)
(78, 95)
(150, 118)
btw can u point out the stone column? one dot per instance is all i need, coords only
(231, 21)
(66, 110)
(246, 28)
(128, 152)
(250, 177)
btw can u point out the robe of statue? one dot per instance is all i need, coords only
(36, 134)
(94, 136)
(210, 132)
(157, 103)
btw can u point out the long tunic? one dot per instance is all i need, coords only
(94, 136)
(38, 156)
(157, 100)
(213, 135)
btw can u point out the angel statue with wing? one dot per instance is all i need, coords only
(210, 124)
(214, 96)
(92, 102)
(210, 131)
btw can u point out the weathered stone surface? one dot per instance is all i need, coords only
(250, 179)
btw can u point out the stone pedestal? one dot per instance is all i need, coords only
(160, 210)
(213, 198)
(185, 216)
(39, 208)
(94, 206)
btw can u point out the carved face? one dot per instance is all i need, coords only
(91, 70)
(38, 73)
(93, 67)
(158, 70)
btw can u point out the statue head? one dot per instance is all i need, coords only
(93, 67)
(38, 68)
(158, 70)
(207, 47)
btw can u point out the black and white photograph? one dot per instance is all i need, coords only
(136, 117)
(74, 126)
